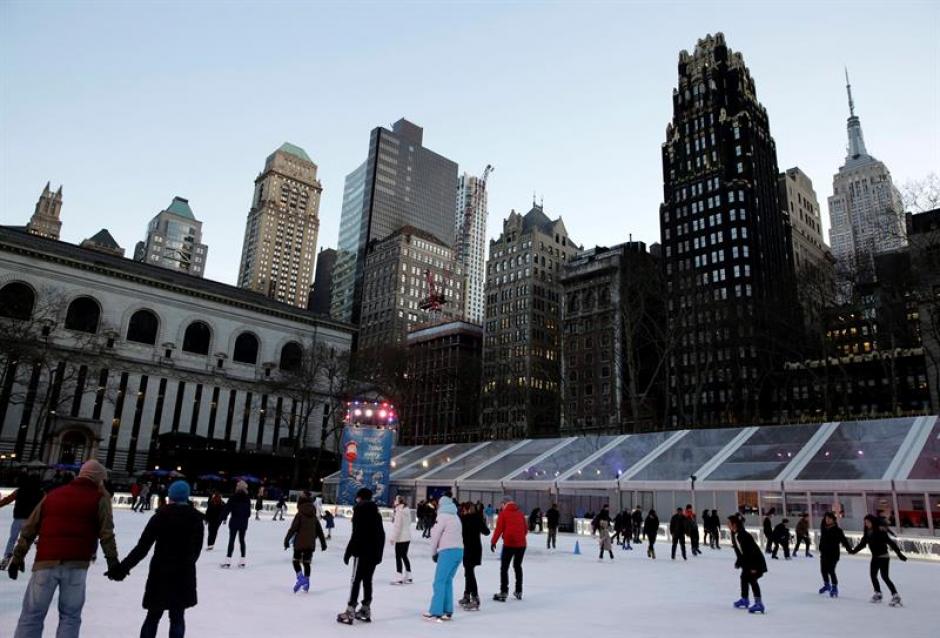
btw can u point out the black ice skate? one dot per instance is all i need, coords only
(364, 614)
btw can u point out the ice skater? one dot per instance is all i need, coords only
(604, 540)
(768, 527)
(259, 503)
(305, 530)
(473, 526)
(447, 552)
(329, 523)
(802, 534)
(692, 529)
(781, 536)
(831, 538)
(637, 524)
(25, 498)
(878, 541)
(750, 561)
(175, 533)
(677, 528)
(237, 511)
(365, 547)
(281, 507)
(714, 526)
(552, 518)
(401, 540)
(627, 530)
(651, 531)
(511, 527)
(213, 517)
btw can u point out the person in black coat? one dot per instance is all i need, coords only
(651, 531)
(552, 519)
(750, 561)
(637, 524)
(473, 525)
(677, 529)
(768, 526)
(714, 525)
(25, 498)
(176, 530)
(627, 523)
(878, 541)
(366, 545)
(831, 538)
(237, 511)
(781, 536)
(214, 510)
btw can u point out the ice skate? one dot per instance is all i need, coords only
(518, 595)
(757, 607)
(473, 604)
(347, 617)
(408, 579)
(241, 563)
(4, 563)
(431, 617)
(463, 601)
(300, 582)
(742, 603)
(825, 589)
(895, 601)
(209, 548)
(364, 614)
(227, 563)
(500, 597)
(399, 580)
(876, 598)
(447, 617)
(834, 592)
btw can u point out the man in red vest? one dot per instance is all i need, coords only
(70, 521)
(511, 527)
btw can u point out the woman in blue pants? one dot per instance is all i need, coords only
(447, 552)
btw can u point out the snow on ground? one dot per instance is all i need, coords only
(565, 595)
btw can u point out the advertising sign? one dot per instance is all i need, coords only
(367, 457)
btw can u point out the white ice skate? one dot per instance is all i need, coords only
(876, 598)
(241, 563)
(895, 601)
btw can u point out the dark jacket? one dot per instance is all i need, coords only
(28, 495)
(627, 522)
(781, 534)
(473, 526)
(552, 517)
(830, 540)
(637, 519)
(878, 541)
(214, 512)
(768, 527)
(305, 529)
(678, 525)
(750, 558)
(237, 510)
(651, 526)
(368, 535)
(177, 532)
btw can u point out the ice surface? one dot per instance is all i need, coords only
(565, 595)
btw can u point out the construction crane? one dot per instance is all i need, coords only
(463, 237)
(435, 300)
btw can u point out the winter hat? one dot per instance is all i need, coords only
(365, 494)
(241, 486)
(447, 506)
(507, 499)
(93, 470)
(179, 492)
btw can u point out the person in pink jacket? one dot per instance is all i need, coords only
(401, 540)
(447, 552)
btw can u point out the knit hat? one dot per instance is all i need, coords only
(241, 486)
(365, 494)
(179, 492)
(93, 470)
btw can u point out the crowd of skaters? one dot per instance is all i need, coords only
(71, 519)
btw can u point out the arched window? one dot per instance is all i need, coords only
(291, 356)
(246, 348)
(17, 301)
(197, 338)
(83, 315)
(142, 327)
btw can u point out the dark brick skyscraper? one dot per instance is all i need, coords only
(726, 245)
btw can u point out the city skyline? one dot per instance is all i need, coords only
(589, 144)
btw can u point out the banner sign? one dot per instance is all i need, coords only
(367, 458)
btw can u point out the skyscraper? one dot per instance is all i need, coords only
(402, 183)
(726, 244)
(470, 230)
(798, 198)
(322, 282)
(865, 208)
(45, 220)
(281, 234)
(522, 326)
(174, 240)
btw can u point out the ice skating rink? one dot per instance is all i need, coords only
(565, 595)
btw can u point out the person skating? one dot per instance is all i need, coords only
(430, 515)
(281, 506)
(214, 511)
(627, 530)
(329, 523)
(768, 527)
(473, 526)
(401, 540)
(305, 530)
(781, 536)
(511, 527)
(237, 511)
(677, 529)
(175, 533)
(750, 561)
(878, 541)
(831, 538)
(69, 521)
(603, 515)
(365, 547)
(535, 520)
(259, 503)
(447, 552)
(637, 524)
(715, 533)
(25, 498)
(135, 493)
(145, 497)
(802, 534)
(651, 531)
(692, 529)
(604, 540)
(552, 518)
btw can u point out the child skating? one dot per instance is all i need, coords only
(304, 531)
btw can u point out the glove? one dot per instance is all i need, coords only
(346, 559)
(434, 558)
(902, 558)
(116, 573)
(493, 548)
(14, 569)
(323, 547)
(286, 546)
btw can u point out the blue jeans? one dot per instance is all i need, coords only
(15, 528)
(448, 561)
(70, 582)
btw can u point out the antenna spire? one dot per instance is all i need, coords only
(848, 89)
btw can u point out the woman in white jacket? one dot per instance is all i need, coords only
(401, 539)
(447, 552)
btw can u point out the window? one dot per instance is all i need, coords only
(83, 315)
(142, 328)
(246, 349)
(291, 356)
(197, 338)
(17, 301)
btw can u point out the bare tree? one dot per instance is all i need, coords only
(921, 195)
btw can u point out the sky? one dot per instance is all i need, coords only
(129, 104)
